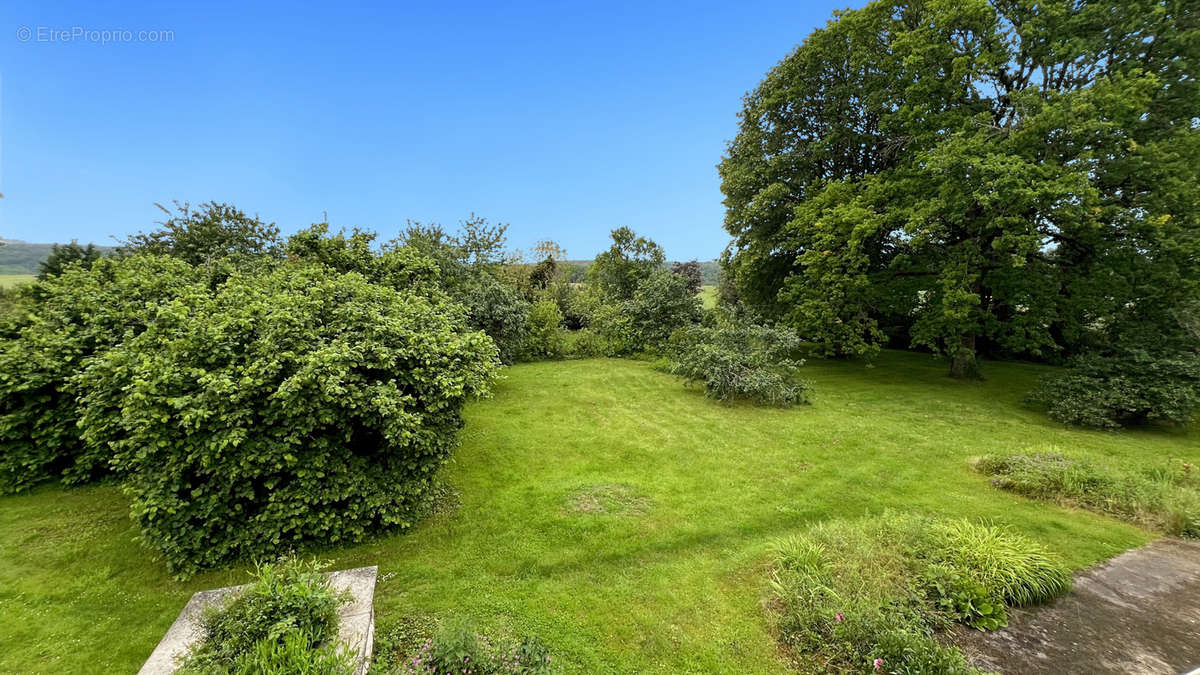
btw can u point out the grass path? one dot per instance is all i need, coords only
(672, 585)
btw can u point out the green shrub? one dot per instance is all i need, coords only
(499, 310)
(399, 267)
(662, 303)
(571, 303)
(77, 316)
(1135, 387)
(736, 362)
(288, 408)
(1164, 497)
(616, 273)
(544, 337)
(290, 656)
(608, 334)
(285, 621)
(849, 592)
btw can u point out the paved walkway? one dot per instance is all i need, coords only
(1137, 613)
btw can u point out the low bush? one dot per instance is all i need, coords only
(740, 362)
(1134, 387)
(1164, 498)
(608, 334)
(292, 407)
(456, 648)
(286, 621)
(872, 595)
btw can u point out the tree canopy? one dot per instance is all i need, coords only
(996, 176)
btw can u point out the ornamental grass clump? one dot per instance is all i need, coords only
(875, 594)
(1163, 497)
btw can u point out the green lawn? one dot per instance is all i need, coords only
(8, 280)
(674, 585)
(708, 296)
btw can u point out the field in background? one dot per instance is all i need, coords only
(9, 280)
(708, 296)
(619, 516)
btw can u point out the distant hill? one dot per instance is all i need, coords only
(22, 257)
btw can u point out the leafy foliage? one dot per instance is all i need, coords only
(692, 272)
(498, 309)
(1132, 387)
(1164, 497)
(617, 272)
(399, 267)
(849, 594)
(286, 408)
(545, 336)
(286, 621)
(210, 233)
(472, 264)
(78, 316)
(662, 303)
(741, 361)
(68, 254)
(1068, 130)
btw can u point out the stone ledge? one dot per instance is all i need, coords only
(356, 621)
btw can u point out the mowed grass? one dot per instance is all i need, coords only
(708, 296)
(621, 517)
(10, 280)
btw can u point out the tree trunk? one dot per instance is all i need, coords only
(963, 365)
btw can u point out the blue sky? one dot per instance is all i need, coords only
(564, 119)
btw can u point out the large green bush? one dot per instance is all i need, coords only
(52, 338)
(742, 361)
(1133, 387)
(291, 407)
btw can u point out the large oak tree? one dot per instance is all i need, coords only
(1000, 176)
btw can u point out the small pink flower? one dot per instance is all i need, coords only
(839, 617)
(879, 665)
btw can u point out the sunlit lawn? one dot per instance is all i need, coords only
(673, 585)
(9, 280)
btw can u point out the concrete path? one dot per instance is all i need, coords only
(1137, 613)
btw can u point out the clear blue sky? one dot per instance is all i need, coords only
(564, 119)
